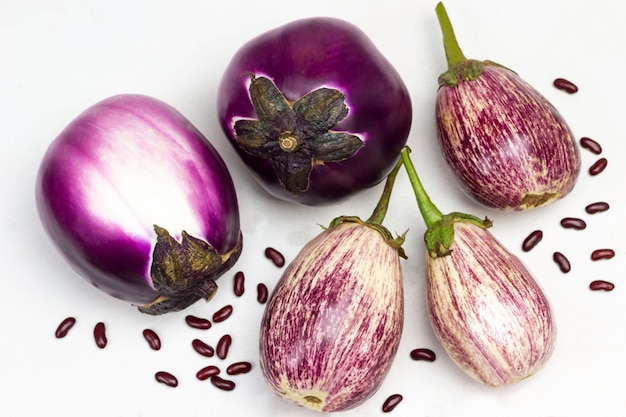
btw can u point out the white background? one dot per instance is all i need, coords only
(59, 57)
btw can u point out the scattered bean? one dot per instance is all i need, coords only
(598, 254)
(223, 384)
(152, 338)
(598, 166)
(202, 348)
(239, 368)
(591, 145)
(391, 402)
(275, 256)
(261, 293)
(239, 284)
(598, 207)
(223, 313)
(223, 345)
(166, 378)
(573, 223)
(601, 285)
(65, 327)
(207, 372)
(198, 322)
(562, 261)
(423, 354)
(532, 240)
(99, 334)
(565, 85)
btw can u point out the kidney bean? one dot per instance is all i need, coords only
(223, 345)
(276, 257)
(152, 338)
(223, 384)
(166, 378)
(207, 372)
(565, 85)
(64, 327)
(423, 354)
(202, 348)
(99, 334)
(573, 223)
(562, 261)
(239, 368)
(598, 207)
(598, 254)
(532, 240)
(591, 145)
(223, 313)
(261, 293)
(598, 166)
(239, 284)
(198, 322)
(391, 402)
(601, 285)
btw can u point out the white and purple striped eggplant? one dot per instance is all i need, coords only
(333, 323)
(505, 143)
(484, 305)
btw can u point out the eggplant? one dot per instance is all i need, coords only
(507, 146)
(314, 110)
(485, 307)
(140, 204)
(332, 325)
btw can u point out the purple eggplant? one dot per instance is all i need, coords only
(484, 305)
(332, 325)
(314, 110)
(140, 204)
(505, 143)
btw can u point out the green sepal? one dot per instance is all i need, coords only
(439, 237)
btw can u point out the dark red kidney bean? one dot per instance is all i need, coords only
(598, 207)
(239, 284)
(207, 372)
(276, 257)
(591, 145)
(601, 285)
(223, 345)
(565, 85)
(532, 240)
(261, 293)
(223, 313)
(202, 348)
(99, 334)
(152, 338)
(391, 402)
(198, 322)
(166, 378)
(64, 327)
(573, 223)
(598, 166)
(598, 254)
(562, 261)
(423, 354)
(223, 384)
(239, 368)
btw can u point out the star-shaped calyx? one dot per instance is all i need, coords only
(295, 136)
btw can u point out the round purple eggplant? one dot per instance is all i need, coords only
(140, 204)
(485, 307)
(314, 110)
(332, 324)
(505, 143)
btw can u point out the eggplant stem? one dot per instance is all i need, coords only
(379, 213)
(454, 54)
(430, 212)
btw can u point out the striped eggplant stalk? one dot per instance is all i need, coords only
(485, 307)
(333, 323)
(506, 144)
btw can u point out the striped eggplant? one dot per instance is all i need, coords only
(506, 144)
(485, 307)
(332, 325)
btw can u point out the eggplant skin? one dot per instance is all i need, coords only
(487, 310)
(332, 325)
(507, 146)
(302, 56)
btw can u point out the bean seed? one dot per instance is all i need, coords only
(598, 207)
(198, 322)
(223, 384)
(565, 85)
(562, 261)
(532, 240)
(207, 372)
(202, 348)
(223, 313)
(65, 327)
(261, 293)
(152, 338)
(598, 254)
(591, 145)
(239, 284)
(598, 166)
(573, 223)
(391, 402)
(423, 354)
(223, 345)
(99, 334)
(601, 285)
(166, 378)
(276, 257)
(239, 368)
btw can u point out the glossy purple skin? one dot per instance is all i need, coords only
(123, 165)
(323, 52)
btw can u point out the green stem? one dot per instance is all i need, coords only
(380, 211)
(454, 55)
(430, 212)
